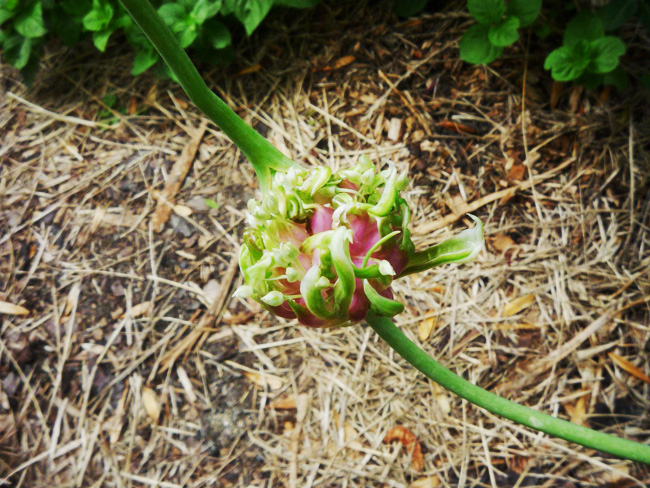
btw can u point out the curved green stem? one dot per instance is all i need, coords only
(500, 406)
(264, 157)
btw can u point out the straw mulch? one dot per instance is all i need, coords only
(125, 362)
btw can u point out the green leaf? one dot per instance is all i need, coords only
(525, 10)
(99, 17)
(408, 8)
(568, 63)
(187, 32)
(486, 11)
(379, 304)
(617, 78)
(251, 13)
(205, 9)
(9, 4)
(476, 48)
(172, 13)
(584, 26)
(218, 34)
(30, 23)
(606, 52)
(100, 39)
(211, 203)
(16, 50)
(5, 14)
(144, 60)
(616, 13)
(3, 36)
(505, 32)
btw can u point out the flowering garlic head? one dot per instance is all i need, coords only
(324, 247)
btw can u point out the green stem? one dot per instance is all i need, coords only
(500, 406)
(264, 157)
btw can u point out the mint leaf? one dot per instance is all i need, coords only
(476, 48)
(30, 23)
(525, 10)
(16, 50)
(100, 39)
(144, 60)
(5, 14)
(99, 17)
(187, 32)
(218, 34)
(251, 13)
(584, 26)
(205, 9)
(505, 32)
(172, 13)
(568, 63)
(403, 8)
(616, 13)
(486, 11)
(606, 52)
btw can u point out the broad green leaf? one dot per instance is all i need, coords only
(617, 78)
(5, 14)
(505, 32)
(568, 63)
(9, 4)
(476, 48)
(525, 10)
(406, 8)
(218, 34)
(616, 13)
(312, 3)
(30, 23)
(172, 13)
(205, 9)
(606, 52)
(99, 17)
(100, 39)
(252, 12)
(144, 60)
(16, 50)
(486, 11)
(187, 32)
(584, 26)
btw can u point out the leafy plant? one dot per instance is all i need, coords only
(587, 54)
(204, 26)
(497, 27)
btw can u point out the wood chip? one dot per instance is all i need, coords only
(164, 205)
(625, 365)
(408, 440)
(11, 309)
(264, 380)
(284, 403)
(394, 129)
(517, 305)
(151, 404)
(429, 482)
(426, 326)
(344, 61)
(502, 242)
(139, 310)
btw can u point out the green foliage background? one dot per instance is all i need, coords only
(202, 25)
